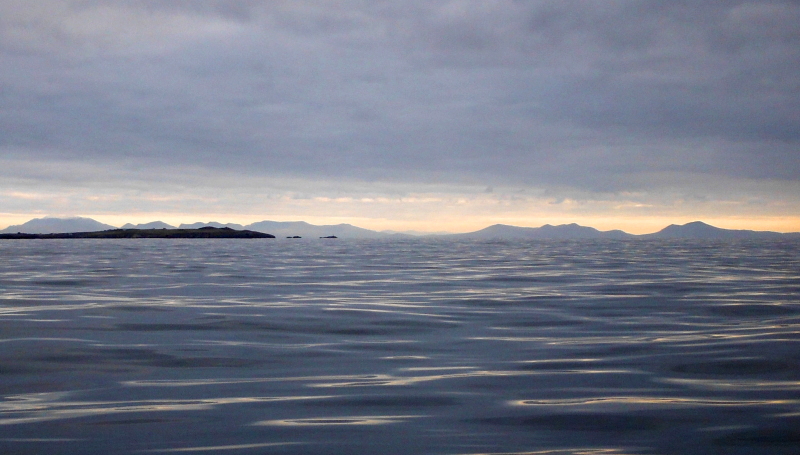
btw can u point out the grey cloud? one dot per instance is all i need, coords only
(564, 93)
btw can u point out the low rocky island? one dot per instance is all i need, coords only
(202, 233)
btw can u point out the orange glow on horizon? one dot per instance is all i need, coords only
(631, 225)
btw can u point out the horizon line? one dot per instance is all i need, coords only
(412, 232)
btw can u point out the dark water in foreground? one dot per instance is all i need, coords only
(368, 347)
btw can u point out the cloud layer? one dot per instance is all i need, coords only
(558, 99)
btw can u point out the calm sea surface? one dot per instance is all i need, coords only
(399, 347)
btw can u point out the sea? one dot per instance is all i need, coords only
(399, 346)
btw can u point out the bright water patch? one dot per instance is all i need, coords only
(405, 346)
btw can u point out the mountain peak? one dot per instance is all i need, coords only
(701, 230)
(547, 231)
(698, 224)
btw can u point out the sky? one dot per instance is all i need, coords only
(419, 115)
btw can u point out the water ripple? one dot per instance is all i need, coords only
(401, 346)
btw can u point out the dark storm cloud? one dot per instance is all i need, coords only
(592, 95)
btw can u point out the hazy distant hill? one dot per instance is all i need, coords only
(564, 231)
(201, 224)
(49, 225)
(700, 230)
(151, 225)
(303, 229)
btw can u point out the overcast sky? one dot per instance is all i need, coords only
(427, 115)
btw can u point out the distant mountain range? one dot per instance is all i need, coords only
(303, 229)
(278, 228)
(694, 230)
(153, 225)
(564, 231)
(57, 225)
(200, 224)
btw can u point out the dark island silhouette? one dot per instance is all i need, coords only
(201, 233)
